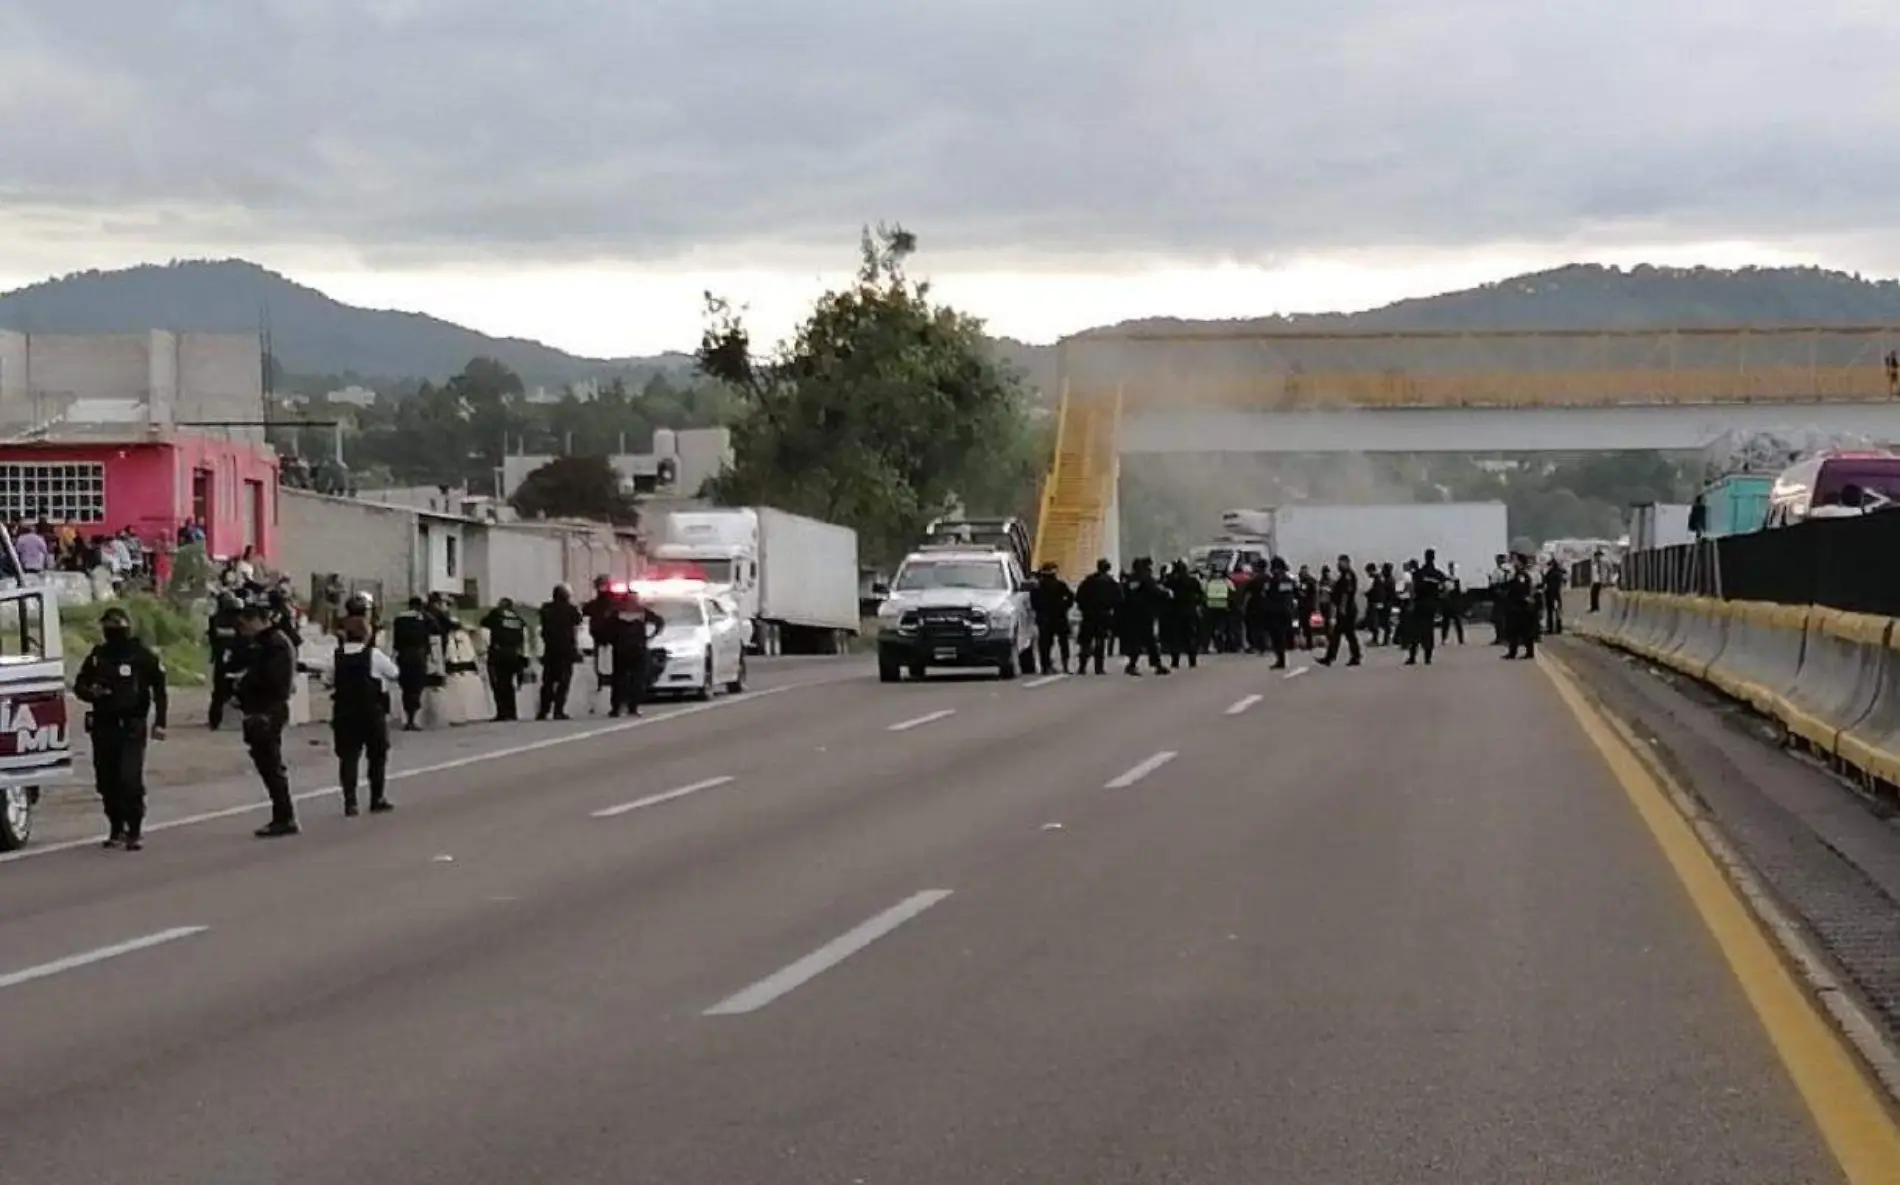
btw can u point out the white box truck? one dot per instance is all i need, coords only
(1470, 534)
(795, 579)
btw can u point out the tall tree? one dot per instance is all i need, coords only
(576, 487)
(883, 410)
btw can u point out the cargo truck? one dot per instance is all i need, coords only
(1469, 534)
(794, 579)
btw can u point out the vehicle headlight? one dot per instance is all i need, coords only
(1003, 618)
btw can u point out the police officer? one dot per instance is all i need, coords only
(1280, 598)
(412, 636)
(1181, 616)
(1308, 604)
(1500, 613)
(1554, 582)
(124, 682)
(634, 625)
(560, 650)
(360, 675)
(1428, 590)
(1051, 601)
(263, 695)
(1345, 622)
(222, 641)
(1520, 610)
(1452, 613)
(507, 655)
(1142, 602)
(1254, 611)
(1097, 597)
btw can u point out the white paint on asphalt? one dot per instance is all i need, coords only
(1142, 770)
(1044, 681)
(1241, 705)
(657, 799)
(436, 767)
(829, 955)
(1296, 672)
(87, 958)
(919, 721)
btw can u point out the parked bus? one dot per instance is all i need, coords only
(1831, 484)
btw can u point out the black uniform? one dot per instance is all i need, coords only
(1279, 601)
(1451, 614)
(359, 724)
(263, 695)
(1345, 624)
(629, 638)
(1428, 590)
(1308, 606)
(1142, 602)
(412, 635)
(1051, 601)
(1554, 599)
(224, 644)
(1181, 616)
(560, 650)
(1097, 597)
(124, 682)
(1520, 614)
(507, 657)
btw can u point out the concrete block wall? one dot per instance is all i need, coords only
(373, 544)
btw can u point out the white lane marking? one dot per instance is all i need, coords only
(657, 799)
(825, 957)
(1142, 770)
(1241, 705)
(917, 721)
(436, 767)
(87, 958)
(1296, 672)
(1044, 681)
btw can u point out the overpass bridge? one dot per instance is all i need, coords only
(1229, 388)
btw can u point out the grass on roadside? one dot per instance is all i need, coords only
(178, 634)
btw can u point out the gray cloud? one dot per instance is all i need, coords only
(427, 130)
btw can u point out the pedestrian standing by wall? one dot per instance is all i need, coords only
(123, 682)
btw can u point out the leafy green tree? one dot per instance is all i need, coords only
(576, 487)
(883, 410)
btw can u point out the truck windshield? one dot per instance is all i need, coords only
(928, 574)
(716, 571)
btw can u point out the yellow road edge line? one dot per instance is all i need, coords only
(1847, 1107)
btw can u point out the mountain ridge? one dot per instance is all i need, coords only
(314, 334)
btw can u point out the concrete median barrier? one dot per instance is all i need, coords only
(1762, 656)
(1842, 663)
(1871, 745)
(1704, 632)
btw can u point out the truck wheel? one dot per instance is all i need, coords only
(737, 686)
(888, 671)
(1007, 668)
(16, 816)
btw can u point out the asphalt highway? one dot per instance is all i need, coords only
(1355, 926)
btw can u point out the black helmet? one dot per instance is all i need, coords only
(360, 604)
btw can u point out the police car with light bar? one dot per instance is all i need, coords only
(956, 605)
(701, 649)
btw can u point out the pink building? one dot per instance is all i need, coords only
(151, 481)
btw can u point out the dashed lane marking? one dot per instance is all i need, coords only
(1241, 705)
(657, 799)
(1296, 672)
(1044, 681)
(796, 975)
(1141, 770)
(920, 721)
(100, 955)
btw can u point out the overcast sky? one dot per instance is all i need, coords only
(577, 170)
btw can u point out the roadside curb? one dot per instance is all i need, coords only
(1849, 1019)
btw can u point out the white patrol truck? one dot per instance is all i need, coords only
(35, 728)
(959, 605)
